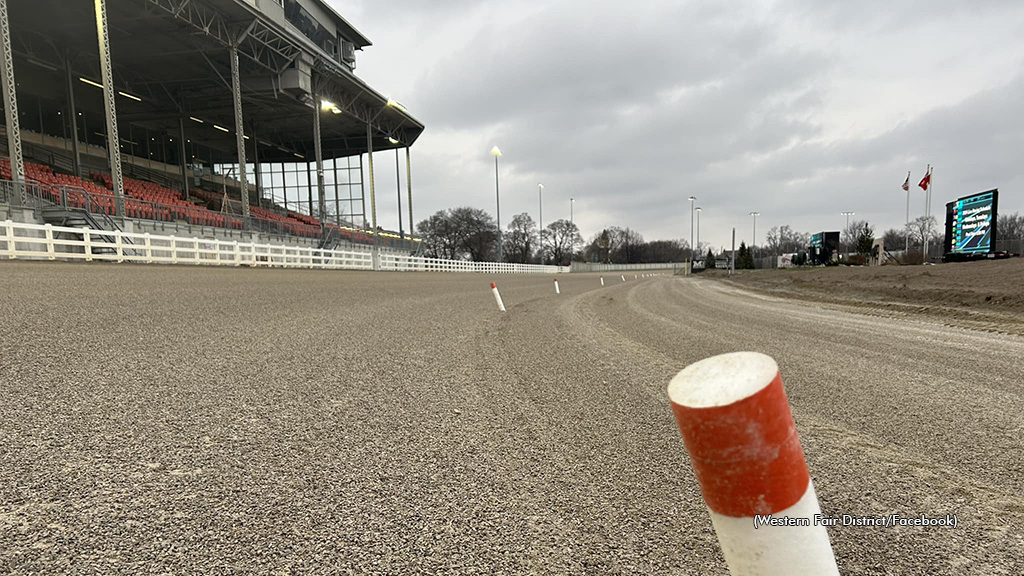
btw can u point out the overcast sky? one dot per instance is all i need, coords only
(799, 109)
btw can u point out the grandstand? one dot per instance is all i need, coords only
(214, 118)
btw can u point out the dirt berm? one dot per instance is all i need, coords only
(985, 295)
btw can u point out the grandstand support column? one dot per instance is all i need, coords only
(362, 191)
(236, 93)
(11, 108)
(398, 181)
(257, 173)
(408, 182)
(76, 154)
(183, 153)
(373, 197)
(319, 154)
(113, 140)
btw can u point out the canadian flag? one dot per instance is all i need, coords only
(926, 181)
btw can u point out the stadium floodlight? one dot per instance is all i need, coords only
(497, 197)
(326, 104)
(131, 96)
(396, 104)
(91, 83)
(194, 119)
(392, 140)
(692, 199)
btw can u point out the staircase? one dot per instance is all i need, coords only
(78, 218)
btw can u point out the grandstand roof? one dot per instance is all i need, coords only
(172, 58)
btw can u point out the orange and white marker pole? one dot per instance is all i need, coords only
(497, 297)
(738, 429)
(602, 280)
(557, 291)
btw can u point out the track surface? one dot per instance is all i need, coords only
(192, 420)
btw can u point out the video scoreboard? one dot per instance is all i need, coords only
(971, 224)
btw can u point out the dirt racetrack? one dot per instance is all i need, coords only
(158, 419)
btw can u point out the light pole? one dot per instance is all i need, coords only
(692, 198)
(497, 196)
(398, 181)
(698, 210)
(753, 240)
(540, 199)
(572, 204)
(847, 229)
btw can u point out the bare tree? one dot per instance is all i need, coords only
(521, 239)
(560, 239)
(851, 233)
(629, 246)
(783, 239)
(919, 227)
(895, 238)
(460, 233)
(1010, 226)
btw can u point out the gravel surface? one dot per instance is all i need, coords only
(159, 420)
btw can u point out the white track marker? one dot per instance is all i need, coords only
(602, 280)
(623, 276)
(497, 297)
(736, 423)
(634, 276)
(557, 291)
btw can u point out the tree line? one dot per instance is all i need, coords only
(472, 234)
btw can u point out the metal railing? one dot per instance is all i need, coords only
(39, 196)
(20, 240)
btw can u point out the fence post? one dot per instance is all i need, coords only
(195, 251)
(238, 254)
(174, 249)
(49, 242)
(87, 239)
(149, 249)
(120, 247)
(9, 237)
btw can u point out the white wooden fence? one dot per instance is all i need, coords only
(47, 242)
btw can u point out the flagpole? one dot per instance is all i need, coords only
(906, 229)
(927, 211)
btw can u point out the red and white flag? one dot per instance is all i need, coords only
(926, 181)
(906, 183)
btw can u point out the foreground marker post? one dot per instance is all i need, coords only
(602, 280)
(497, 297)
(623, 276)
(557, 291)
(737, 426)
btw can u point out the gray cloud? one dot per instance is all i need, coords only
(795, 108)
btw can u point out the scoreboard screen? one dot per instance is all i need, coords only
(971, 223)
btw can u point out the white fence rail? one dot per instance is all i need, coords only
(47, 242)
(596, 267)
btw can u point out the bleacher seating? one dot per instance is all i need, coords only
(148, 200)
